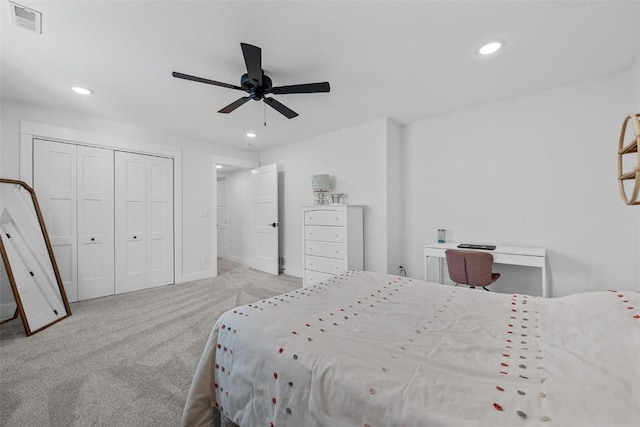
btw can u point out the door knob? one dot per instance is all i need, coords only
(274, 224)
(135, 237)
(93, 239)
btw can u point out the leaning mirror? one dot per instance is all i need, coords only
(28, 259)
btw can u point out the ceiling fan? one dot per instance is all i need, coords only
(257, 84)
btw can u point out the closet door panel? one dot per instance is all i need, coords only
(55, 184)
(144, 221)
(130, 222)
(160, 221)
(96, 274)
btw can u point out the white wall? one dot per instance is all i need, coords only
(196, 166)
(356, 159)
(240, 216)
(635, 75)
(537, 170)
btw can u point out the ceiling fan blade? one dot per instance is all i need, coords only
(201, 80)
(280, 108)
(302, 88)
(253, 61)
(235, 104)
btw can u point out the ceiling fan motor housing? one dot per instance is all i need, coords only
(256, 91)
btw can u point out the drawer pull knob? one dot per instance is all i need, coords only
(93, 239)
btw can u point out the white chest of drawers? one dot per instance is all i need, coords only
(332, 241)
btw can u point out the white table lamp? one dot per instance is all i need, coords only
(321, 184)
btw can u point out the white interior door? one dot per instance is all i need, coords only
(95, 223)
(130, 222)
(264, 181)
(55, 184)
(223, 217)
(159, 221)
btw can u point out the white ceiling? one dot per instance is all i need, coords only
(403, 60)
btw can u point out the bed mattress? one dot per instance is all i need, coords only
(370, 349)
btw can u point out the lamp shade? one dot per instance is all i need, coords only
(320, 182)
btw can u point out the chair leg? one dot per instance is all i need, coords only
(486, 289)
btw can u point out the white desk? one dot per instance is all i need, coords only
(530, 257)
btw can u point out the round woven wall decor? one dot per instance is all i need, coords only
(630, 148)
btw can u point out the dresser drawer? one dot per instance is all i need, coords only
(324, 265)
(314, 277)
(327, 217)
(325, 249)
(326, 234)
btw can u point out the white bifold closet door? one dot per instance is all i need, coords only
(74, 186)
(143, 221)
(95, 223)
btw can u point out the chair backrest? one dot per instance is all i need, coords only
(470, 267)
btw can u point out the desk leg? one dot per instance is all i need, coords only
(426, 268)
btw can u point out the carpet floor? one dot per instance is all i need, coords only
(123, 360)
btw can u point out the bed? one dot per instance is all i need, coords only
(369, 349)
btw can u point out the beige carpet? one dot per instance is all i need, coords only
(125, 360)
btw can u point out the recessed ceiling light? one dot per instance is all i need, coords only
(81, 90)
(251, 134)
(219, 166)
(490, 48)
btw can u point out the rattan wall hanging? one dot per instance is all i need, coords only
(631, 148)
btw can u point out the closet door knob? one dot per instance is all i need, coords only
(93, 239)
(135, 237)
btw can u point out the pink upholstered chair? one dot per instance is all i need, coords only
(471, 268)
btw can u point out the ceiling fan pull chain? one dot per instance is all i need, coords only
(265, 114)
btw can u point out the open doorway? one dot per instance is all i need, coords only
(232, 222)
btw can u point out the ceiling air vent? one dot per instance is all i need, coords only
(26, 18)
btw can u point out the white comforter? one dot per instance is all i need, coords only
(369, 349)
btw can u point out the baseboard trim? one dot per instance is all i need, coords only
(295, 272)
(7, 310)
(199, 275)
(240, 260)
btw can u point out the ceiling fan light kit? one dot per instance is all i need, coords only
(257, 84)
